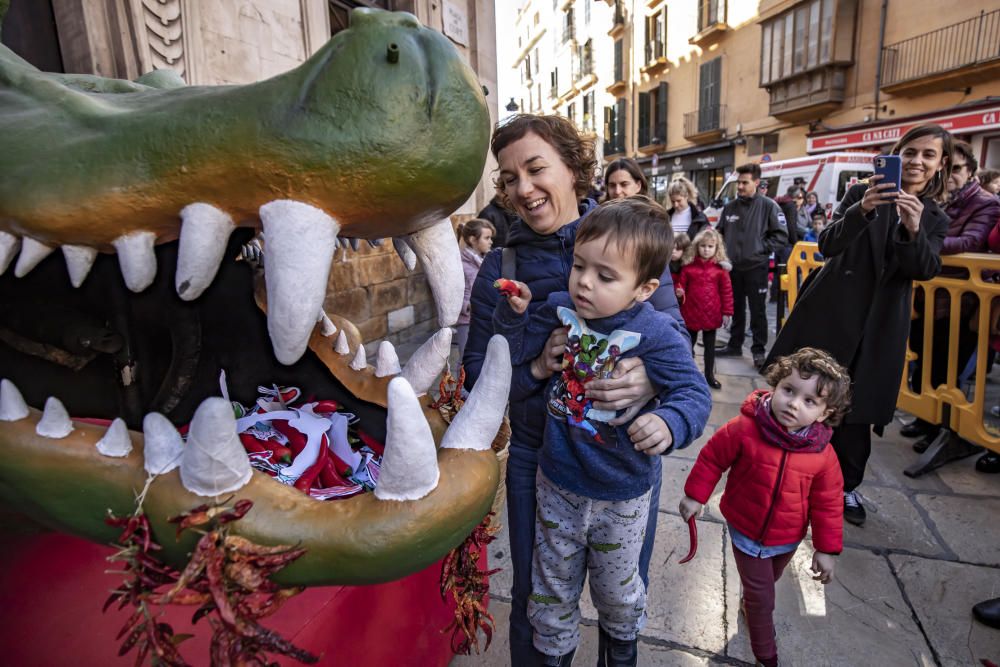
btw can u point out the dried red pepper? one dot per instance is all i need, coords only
(692, 539)
(507, 287)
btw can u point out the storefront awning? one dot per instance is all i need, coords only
(693, 158)
(965, 121)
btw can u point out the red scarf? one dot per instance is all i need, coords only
(811, 439)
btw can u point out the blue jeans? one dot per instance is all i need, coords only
(522, 467)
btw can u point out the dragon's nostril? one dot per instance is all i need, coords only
(392, 53)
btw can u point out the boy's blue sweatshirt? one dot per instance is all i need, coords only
(580, 451)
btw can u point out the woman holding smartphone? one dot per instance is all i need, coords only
(857, 307)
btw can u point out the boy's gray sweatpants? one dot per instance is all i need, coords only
(574, 534)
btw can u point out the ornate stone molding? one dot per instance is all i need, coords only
(164, 28)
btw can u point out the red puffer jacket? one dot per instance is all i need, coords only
(708, 295)
(772, 493)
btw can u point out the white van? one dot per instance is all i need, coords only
(828, 175)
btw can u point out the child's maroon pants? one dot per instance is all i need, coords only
(758, 576)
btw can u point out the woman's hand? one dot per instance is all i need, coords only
(551, 358)
(689, 507)
(727, 320)
(910, 209)
(823, 565)
(628, 387)
(518, 302)
(650, 434)
(876, 194)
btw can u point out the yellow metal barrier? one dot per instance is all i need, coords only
(966, 418)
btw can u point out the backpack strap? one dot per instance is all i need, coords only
(508, 263)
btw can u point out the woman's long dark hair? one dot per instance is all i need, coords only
(936, 187)
(633, 169)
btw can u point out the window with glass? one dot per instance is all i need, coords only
(614, 128)
(568, 26)
(711, 12)
(653, 116)
(619, 61)
(797, 41)
(588, 112)
(656, 36)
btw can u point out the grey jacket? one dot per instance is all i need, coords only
(753, 229)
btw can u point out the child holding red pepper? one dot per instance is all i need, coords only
(783, 476)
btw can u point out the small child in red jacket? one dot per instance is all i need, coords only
(707, 302)
(783, 476)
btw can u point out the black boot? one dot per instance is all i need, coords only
(613, 652)
(712, 382)
(559, 660)
(987, 612)
(989, 463)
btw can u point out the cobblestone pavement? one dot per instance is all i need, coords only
(904, 587)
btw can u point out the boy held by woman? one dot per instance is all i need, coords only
(783, 477)
(594, 476)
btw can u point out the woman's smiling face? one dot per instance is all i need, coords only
(540, 186)
(922, 158)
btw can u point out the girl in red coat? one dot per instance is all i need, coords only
(783, 476)
(705, 293)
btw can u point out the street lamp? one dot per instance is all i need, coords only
(511, 106)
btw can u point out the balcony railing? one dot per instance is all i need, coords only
(943, 52)
(705, 123)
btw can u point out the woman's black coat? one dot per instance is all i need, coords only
(857, 307)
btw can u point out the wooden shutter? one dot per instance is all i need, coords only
(644, 120)
(620, 126)
(661, 113)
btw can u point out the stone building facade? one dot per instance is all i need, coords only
(242, 41)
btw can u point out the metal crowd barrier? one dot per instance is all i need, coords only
(946, 404)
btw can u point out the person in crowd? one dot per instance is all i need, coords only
(990, 180)
(857, 306)
(624, 178)
(783, 477)
(753, 228)
(681, 243)
(707, 302)
(594, 479)
(812, 204)
(817, 223)
(973, 213)
(501, 219)
(545, 168)
(475, 240)
(685, 216)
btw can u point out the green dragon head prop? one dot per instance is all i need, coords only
(381, 133)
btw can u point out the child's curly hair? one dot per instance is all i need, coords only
(833, 381)
(707, 234)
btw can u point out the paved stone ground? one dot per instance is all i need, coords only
(904, 586)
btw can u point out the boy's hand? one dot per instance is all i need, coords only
(551, 359)
(690, 507)
(650, 434)
(823, 565)
(518, 300)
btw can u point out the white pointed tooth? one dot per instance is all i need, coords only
(405, 253)
(55, 421)
(341, 346)
(409, 466)
(205, 232)
(116, 441)
(8, 248)
(328, 328)
(32, 252)
(214, 461)
(163, 446)
(79, 259)
(479, 419)
(12, 405)
(136, 259)
(300, 243)
(387, 362)
(438, 251)
(428, 361)
(355, 243)
(360, 360)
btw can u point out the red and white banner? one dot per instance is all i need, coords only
(963, 123)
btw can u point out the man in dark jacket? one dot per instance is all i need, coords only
(753, 227)
(501, 218)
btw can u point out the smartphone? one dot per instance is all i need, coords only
(891, 168)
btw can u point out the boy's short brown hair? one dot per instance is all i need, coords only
(640, 228)
(833, 382)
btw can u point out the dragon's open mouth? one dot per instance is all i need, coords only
(311, 180)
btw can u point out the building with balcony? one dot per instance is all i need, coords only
(696, 87)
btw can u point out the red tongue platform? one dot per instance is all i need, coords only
(52, 587)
